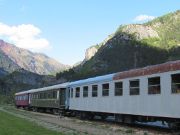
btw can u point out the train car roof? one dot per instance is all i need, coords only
(92, 80)
(149, 70)
(63, 85)
(153, 69)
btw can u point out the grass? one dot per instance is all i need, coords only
(11, 125)
(129, 131)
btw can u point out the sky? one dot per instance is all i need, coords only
(64, 29)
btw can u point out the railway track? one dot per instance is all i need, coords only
(136, 126)
(139, 126)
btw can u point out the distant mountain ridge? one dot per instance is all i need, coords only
(13, 58)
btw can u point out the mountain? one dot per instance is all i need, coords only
(13, 58)
(131, 46)
(22, 80)
(21, 69)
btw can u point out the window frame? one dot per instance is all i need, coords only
(85, 91)
(133, 88)
(77, 94)
(105, 91)
(173, 84)
(95, 91)
(151, 91)
(115, 89)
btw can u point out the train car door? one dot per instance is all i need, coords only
(62, 95)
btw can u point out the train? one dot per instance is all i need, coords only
(146, 94)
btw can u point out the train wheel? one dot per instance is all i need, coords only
(173, 125)
(103, 117)
(90, 116)
(83, 115)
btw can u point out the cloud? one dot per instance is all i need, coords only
(143, 18)
(26, 36)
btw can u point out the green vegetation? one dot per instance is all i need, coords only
(3, 99)
(119, 57)
(11, 125)
(18, 81)
(168, 28)
(145, 133)
(129, 131)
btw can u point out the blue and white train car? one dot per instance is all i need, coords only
(146, 94)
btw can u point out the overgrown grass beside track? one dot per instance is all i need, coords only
(12, 125)
(16, 120)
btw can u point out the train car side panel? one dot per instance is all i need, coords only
(22, 100)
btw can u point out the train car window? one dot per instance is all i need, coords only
(49, 95)
(45, 95)
(134, 87)
(37, 96)
(41, 95)
(94, 90)
(85, 91)
(78, 92)
(54, 94)
(71, 92)
(118, 89)
(175, 86)
(105, 89)
(154, 86)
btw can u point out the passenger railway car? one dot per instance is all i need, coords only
(51, 98)
(22, 100)
(145, 94)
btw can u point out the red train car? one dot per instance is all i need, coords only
(22, 100)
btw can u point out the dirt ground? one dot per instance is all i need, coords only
(74, 126)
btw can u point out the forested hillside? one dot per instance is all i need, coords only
(133, 46)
